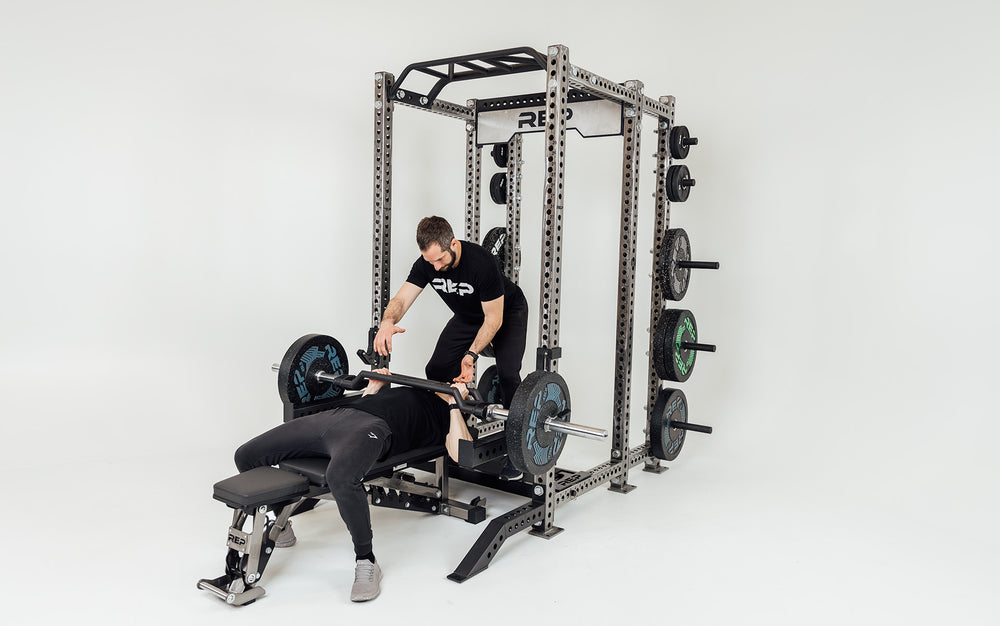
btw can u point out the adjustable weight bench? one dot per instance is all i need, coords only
(296, 486)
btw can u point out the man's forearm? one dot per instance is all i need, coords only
(393, 312)
(485, 335)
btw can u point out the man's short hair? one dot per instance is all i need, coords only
(434, 229)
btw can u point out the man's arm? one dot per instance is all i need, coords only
(492, 320)
(394, 311)
(374, 386)
(457, 428)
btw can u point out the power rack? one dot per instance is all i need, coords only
(531, 433)
(574, 98)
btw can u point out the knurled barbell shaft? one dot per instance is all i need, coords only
(701, 347)
(698, 428)
(552, 424)
(698, 265)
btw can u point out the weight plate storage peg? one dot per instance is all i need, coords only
(501, 153)
(297, 383)
(681, 142)
(675, 264)
(495, 243)
(675, 345)
(489, 386)
(679, 183)
(540, 396)
(498, 188)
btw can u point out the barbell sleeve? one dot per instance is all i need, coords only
(495, 411)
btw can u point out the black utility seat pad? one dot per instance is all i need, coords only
(314, 467)
(261, 485)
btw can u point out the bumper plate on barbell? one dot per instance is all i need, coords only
(297, 384)
(540, 396)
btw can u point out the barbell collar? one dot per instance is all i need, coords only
(701, 347)
(698, 428)
(698, 265)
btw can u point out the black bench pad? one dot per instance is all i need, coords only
(314, 468)
(261, 485)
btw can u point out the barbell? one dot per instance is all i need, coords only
(314, 370)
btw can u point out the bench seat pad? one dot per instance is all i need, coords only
(261, 485)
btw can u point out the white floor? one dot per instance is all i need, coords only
(728, 535)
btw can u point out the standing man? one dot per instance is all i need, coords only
(487, 306)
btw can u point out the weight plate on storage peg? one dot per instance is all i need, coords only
(679, 183)
(495, 243)
(500, 154)
(665, 440)
(540, 396)
(498, 188)
(297, 382)
(674, 279)
(489, 386)
(674, 332)
(681, 142)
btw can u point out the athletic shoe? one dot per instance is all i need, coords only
(509, 472)
(367, 576)
(286, 538)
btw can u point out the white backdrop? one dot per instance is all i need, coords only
(186, 188)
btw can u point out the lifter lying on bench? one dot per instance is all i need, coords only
(358, 433)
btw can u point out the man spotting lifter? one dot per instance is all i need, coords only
(487, 306)
(358, 432)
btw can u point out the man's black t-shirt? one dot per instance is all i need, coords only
(464, 288)
(417, 418)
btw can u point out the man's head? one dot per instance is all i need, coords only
(437, 243)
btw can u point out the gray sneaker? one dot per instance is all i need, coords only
(367, 576)
(286, 538)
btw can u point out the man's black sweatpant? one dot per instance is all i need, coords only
(354, 441)
(508, 346)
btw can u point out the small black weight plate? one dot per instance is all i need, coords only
(500, 154)
(489, 386)
(665, 442)
(297, 382)
(671, 360)
(674, 280)
(677, 189)
(495, 243)
(498, 188)
(679, 146)
(531, 448)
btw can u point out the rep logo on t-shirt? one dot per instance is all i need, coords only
(446, 285)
